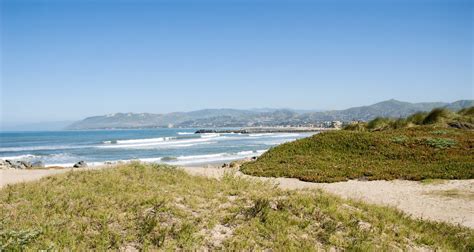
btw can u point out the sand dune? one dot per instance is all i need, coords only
(449, 200)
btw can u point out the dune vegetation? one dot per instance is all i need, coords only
(148, 207)
(435, 145)
(438, 117)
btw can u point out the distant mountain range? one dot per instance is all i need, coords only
(208, 118)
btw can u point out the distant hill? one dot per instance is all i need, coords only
(390, 108)
(258, 117)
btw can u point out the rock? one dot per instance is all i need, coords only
(26, 164)
(80, 164)
(37, 164)
(14, 164)
(461, 125)
(205, 131)
(225, 165)
(4, 164)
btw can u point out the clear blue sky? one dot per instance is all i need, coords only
(64, 60)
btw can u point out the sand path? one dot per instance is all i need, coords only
(451, 201)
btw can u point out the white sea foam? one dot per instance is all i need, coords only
(46, 147)
(59, 159)
(180, 160)
(89, 164)
(146, 140)
(157, 144)
(258, 136)
(209, 135)
(19, 157)
(185, 133)
(149, 160)
(261, 134)
(284, 135)
(207, 156)
(211, 158)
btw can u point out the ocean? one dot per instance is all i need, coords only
(171, 146)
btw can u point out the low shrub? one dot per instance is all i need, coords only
(467, 111)
(380, 123)
(359, 126)
(417, 118)
(440, 143)
(400, 139)
(437, 115)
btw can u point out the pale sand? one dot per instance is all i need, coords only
(420, 200)
(13, 176)
(411, 197)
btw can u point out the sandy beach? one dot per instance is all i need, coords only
(448, 200)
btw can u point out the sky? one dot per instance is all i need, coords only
(66, 60)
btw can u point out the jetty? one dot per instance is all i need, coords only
(255, 130)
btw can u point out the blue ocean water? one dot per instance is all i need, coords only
(172, 146)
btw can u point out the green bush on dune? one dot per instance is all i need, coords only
(467, 111)
(379, 123)
(151, 207)
(417, 118)
(361, 126)
(438, 115)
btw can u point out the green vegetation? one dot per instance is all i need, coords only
(151, 207)
(435, 145)
(409, 153)
(440, 143)
(467, 111)
(439, 117)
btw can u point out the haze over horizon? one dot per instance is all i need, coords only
(389, 104)
(70, 60)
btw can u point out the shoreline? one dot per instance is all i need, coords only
(222, 147)
(213, 160)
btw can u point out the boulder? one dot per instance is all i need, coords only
(18, 164)
(205, 131)
(4, 164)
(80, 164)
(26, 164)
(461, 125)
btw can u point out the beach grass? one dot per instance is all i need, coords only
(148, 207)
(439, 117)
(416, 153)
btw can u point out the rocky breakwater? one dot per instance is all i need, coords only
(264, 130)
(22, 165)
(19, 164)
